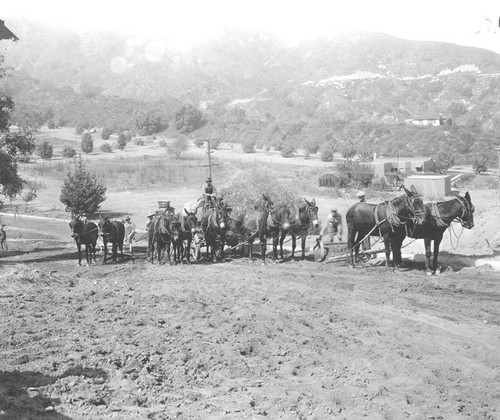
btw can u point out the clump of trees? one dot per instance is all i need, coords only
(188, 118)
(177, 147)
(81, 192)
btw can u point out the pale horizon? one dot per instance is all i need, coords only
(191, 22)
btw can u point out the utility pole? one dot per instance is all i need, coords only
(209, 154)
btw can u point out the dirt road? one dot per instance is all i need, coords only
(294, 340)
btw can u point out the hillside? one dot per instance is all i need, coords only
(245, 82)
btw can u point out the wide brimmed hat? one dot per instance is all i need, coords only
(151, 215)
(361, 194)
(127, 218)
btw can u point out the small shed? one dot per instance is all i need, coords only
(430, 186)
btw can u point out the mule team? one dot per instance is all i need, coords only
(392, 221)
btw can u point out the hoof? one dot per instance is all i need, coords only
(428, 272)
(78, 265)
(438, 272)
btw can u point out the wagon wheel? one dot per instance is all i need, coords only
(365, 257)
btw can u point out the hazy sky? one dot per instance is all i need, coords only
(187, 21)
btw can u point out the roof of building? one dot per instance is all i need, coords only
(6, 33)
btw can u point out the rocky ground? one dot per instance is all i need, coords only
(238, 339)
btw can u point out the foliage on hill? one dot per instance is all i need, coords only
(349, 94)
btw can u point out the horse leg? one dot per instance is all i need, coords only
(87, 253)
(79, 254)
(282, 239)
(294, 243)
(303, 243)
(387, 246)
(275, 246)
(397, 242)
(429, 269)
(263, 247)
(437, 242)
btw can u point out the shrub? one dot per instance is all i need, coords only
(288, 150)
(45, 150)
(122, 141)
(87, 143)
(23, 158)
(51, 124)
(355, 174)
(68, 152)
(248, 145)
(139, 142)
(106, 148)
(106, 133)
(162, 143)
(198, 143)
(178, 147)
(188, 118)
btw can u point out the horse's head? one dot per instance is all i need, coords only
(467, 217)
(312, 212)
(104, 227)
(415, 205)
(189, 221)
(76, 226)
(267, 203)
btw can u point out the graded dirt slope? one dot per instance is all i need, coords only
(238, 339)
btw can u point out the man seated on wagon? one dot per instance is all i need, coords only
(209, 193)
(169, 210)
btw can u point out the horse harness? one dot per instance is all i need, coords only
(393, 218)
(442, 222)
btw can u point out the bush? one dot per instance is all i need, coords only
(188, 118)
(326, 152)
(139, 142)
(45, 150)
(198, 143)
(106, 148)
(355, 174)
(106, 133)
(248, 145)
(23, 159)
(288, 150)
(122, 141)
(68, 152)
(87, 143)
(179, 146)
(51, 124)
(162, 143)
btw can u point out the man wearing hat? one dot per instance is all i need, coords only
(209, 192)
(3, 238)
(129, 233)
(361, 196)
(150, 219)
(332, 230)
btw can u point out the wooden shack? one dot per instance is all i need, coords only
(430, 186)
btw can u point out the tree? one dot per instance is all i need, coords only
(443, 161)
(479, 163)
(121, 143)
(81, 192)
(188, 118)
(12, 146)
(29, 194)
(45, 150)
(179, 146)
(106, 133)
(87, 143)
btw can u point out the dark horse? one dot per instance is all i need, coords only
(365, 219)
(438, 218)
(214, 224)
(114, 233)
(183, 229)
(84, 234)
(160, 234)
(302, 219)
(262, 222)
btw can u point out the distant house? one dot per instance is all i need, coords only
(430, 120)
(405, 165)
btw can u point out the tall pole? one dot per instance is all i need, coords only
(209, 152)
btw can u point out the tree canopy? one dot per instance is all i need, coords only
(81, 192)
(12, 145)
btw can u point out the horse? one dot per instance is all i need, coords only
(3, 238)
(188, 229)
(113, 232)
(259, 222)
(302, 219)
(366, 219)
(214, 225)
(162, 236)
(438, 218)
(84, 234)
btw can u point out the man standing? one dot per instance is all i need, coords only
(3, 238)
(333, 227)
(129, 233)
